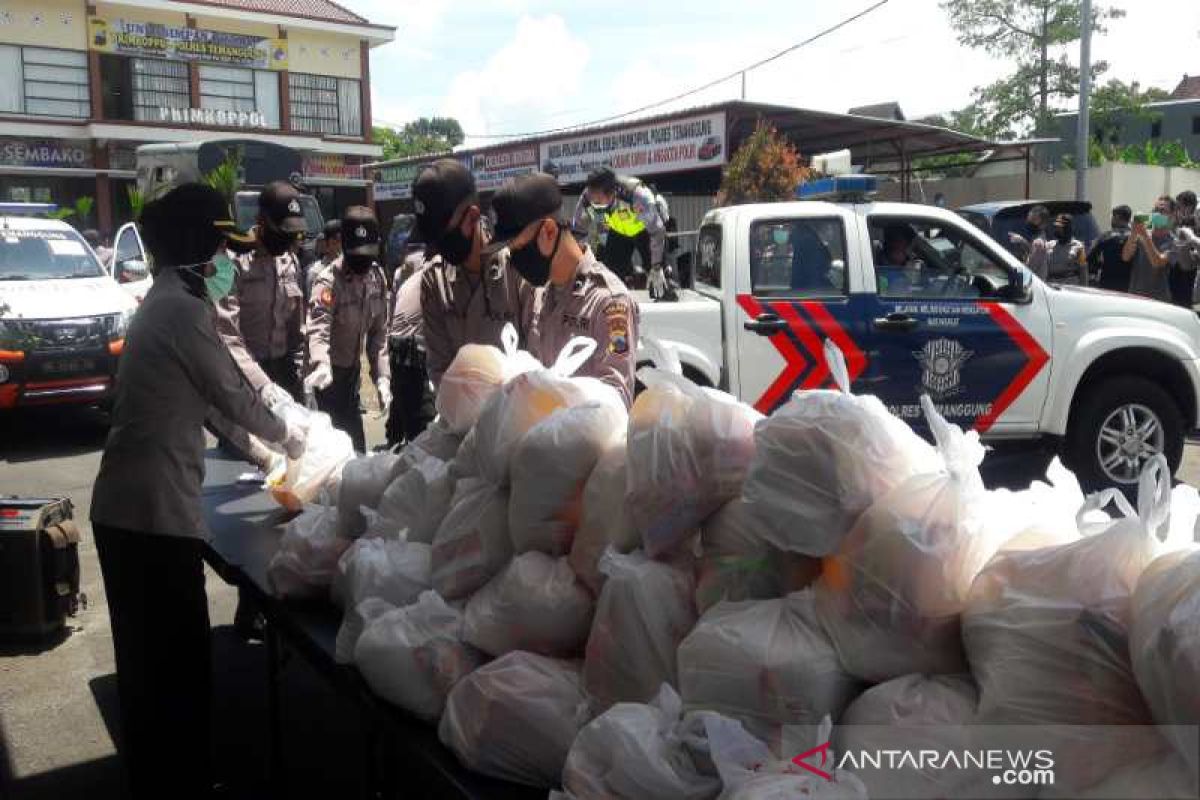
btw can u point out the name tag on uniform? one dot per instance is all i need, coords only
(575, 321)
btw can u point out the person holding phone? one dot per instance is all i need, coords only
(1150, 248)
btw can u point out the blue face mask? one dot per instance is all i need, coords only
(780, 236)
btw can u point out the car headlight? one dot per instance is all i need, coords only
(119, 323)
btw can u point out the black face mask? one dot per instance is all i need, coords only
(275, 241)
(531, 264)
(454, 247)
(358, 264)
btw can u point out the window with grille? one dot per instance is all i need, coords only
(158, 84)
(49, 83)
(239, 89)
(325, 105)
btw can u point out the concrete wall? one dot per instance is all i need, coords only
(45, 23)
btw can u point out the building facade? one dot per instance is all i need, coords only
(86, 83)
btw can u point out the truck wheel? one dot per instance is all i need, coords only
(1117, 427)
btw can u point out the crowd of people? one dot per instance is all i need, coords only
(1154, 255)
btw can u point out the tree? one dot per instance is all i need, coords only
(422, 136)
(766, 168)
(226, 177)
(1116, 101)
(1035, 34)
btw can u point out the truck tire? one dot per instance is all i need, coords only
(1117, 426)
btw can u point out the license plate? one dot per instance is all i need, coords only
(68, 366)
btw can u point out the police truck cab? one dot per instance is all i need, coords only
(923, 302)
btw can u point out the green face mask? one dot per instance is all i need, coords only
(1159, 220)
(220, 283)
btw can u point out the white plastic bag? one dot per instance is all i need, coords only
(823, 458)
(364, 480)
(605, 518)
(766, 663)
(644, 612)
(472, 543)
(392, 569)
(689, 449)
(515, 718)
(891, 597)
(550, 467)
(354, 622)
(308, 554)
(636, 751)
(417, 500)
(298, 482)
(737, 564)
(436, 440)
(534, 604)
(478, 371)
(414, 656)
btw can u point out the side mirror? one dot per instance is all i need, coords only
(131, 270)
(1020, 287)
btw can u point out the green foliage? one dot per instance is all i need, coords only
(766, 168)
(423, 136)
(1153, 152)
(1035, 35)
(226, 177)
(136, 201)
(81, 211)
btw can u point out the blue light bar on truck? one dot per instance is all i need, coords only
(841, 187)
(26, 209)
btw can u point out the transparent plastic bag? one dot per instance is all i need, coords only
(891, 597)
(354, 622)
(644, 611)
(767, 664)
(392, 569)
(534, 604)
(605, 518)
(363, 482)
(478, 371)
(636, 751)
(472, 544)
(823, 458)
(308, 553)
(688, 452)
(413, 656)
(297, 482)
(550, 468)
(416, 501)
(515, 718)
(436, 440)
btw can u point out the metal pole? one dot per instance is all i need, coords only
(743, 84)
(1085, 90)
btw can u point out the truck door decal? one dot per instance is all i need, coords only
(802, 348)
(1037, 359)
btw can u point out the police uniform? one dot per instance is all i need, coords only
(348, 315)
(412, 407)
(633, 221)
(596, 304)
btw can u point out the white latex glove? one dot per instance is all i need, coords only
(293, 445)
(274, 395)
(319, 378)
(656, 282)
(384, 388)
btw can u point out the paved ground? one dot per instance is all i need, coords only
(57, 701)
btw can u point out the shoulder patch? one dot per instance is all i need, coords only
(616, 316)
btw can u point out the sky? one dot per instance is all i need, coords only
(511, 67)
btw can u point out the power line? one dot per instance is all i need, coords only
(816, 36)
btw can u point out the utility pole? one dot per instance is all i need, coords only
(743, 84)
(1082, 133)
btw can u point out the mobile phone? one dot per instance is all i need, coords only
(1142, 218)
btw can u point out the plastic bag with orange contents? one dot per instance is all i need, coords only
(297, 482)
(475, 374)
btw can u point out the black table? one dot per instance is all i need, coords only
(246, 525)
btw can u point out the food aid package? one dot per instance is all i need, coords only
(737, 564)
(436, 440)
(823, 458)
(749, 770)
(1163, 777)
(472, 543)
(465, 463)
(534, 604)
(1047, 634)
(418, 499)
(308, 554)
(766, 663)
(915, 713)
(549, 470)
(364, 480)
(297, 482)
(413, 656)
(605, 518)
(478, 371)
(354, 622)
(689, 449)
(636, 751)
(1165, 640)
(890, 598)
(394, 570)
(515, 718)
(644, 611)
(530, 398)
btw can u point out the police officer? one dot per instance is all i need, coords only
(330, 249)
(412, 406)
(465, 297)
(146, 513)
(262, 318)
(348, 314)
(575, 294)
(618, 214)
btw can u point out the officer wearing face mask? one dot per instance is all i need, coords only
(347, 317)
(146, 513)
(575, 295)
(466, 298)
(619, 215)
(262, 318)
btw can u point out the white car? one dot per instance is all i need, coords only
(129, 267)
(1109, 379)
(62, 316)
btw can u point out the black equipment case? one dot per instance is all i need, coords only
(39, 565)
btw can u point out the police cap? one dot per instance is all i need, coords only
(360, 232)
(521, 201)
(279, 204)
(439, 189)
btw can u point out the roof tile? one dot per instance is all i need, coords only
(1188, 88)
(325, 10)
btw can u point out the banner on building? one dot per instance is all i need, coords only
(491, 169)
(331, 165)
(395, 182)
(641, 149)
(179, 43)
(44, 153)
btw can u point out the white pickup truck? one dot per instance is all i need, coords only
(1111, 379)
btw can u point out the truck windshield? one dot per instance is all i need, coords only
(44, 255)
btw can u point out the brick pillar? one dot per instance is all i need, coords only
(364, 51)
(104, 209)
(285, 92)
(193, 72)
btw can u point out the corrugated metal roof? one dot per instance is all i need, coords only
(326, 10)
